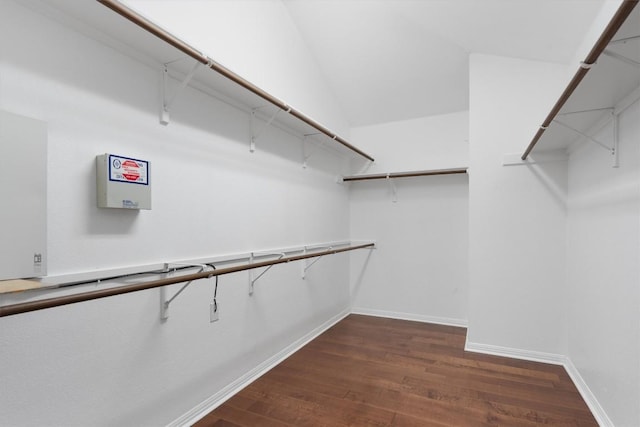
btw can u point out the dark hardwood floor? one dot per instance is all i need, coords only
(372, 371)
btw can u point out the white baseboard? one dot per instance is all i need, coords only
(590, 399)
(231, 389)
(556, 359)
(410, 316)
(515, 353)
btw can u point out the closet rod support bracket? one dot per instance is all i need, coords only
(167, 101)
(616, 151)
(305, 155)
(392, 189)
(253, 280)
(621, 58)
(589, 138)
(255, 134)
(164, 301)
(306, 265)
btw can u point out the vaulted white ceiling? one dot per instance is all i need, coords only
(389, 60)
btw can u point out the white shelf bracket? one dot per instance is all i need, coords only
(588, 137)
(393, 189)
(255, 134)
(167, 100)
(305, 156)
(621, 58)
(624, 40)
(253, 280)
(365, 167)
(306, 265)
(164, 302)
(590, 110)
(616, 151)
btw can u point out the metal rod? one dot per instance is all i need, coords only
(404, 174)
(614, 25)
(174, 41)
(10, 310)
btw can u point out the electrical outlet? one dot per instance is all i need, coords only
(213, 312)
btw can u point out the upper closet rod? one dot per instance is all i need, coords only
(614, 25)
(26, 307)
(404, 174)
(144, 23)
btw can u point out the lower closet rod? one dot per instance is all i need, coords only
(10, 310)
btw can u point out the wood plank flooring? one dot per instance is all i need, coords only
(372, 371)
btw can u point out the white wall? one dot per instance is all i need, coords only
(111, 361)
(257, 40)
(119, 365)
(434, 142)
(603, 270)
(516, 214)
(419, 267)
(600, 22)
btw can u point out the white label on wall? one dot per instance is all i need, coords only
(125, 169)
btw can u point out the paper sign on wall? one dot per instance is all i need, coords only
(124, 169)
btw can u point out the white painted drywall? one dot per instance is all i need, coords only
(257, 40)
(603, 270)
(595, 30)
(419, 269)
(434, 142)
(517, 214)
(23, 195)
(110, 361)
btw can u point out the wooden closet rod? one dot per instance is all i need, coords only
(10, 310)
(404, 174)
(614, 25)
(159, 32)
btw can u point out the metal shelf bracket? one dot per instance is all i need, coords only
(588, 137)
(393, 189)
(255, 134)
(305, 155)
(590, 110)
(616, 151)
(306, 265)
(168, 101)
(164, 302)
(253, 280)
(621, 58)
(367, 165)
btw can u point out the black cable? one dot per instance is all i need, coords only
(215, 289)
